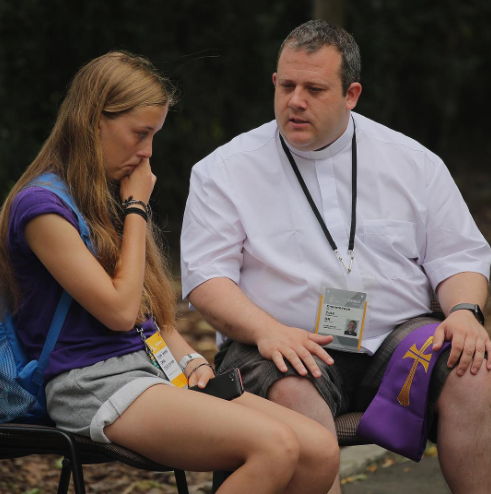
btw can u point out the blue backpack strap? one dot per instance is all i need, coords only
(54, 332)
(55, 184)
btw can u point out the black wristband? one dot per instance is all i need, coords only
(137, 211)
(474, 308)
(130, 201)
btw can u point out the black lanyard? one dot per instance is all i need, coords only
(351, 244)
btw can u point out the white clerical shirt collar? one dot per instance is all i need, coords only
(330, 151)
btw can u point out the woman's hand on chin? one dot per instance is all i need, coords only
(139, 183)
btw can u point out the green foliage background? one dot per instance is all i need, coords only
(425, 73)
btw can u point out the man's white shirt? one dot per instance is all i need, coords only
(247, 219)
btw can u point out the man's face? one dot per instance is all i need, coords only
(310, 108)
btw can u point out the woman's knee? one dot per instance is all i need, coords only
(330, 457)
(322, 456)
(280, 447)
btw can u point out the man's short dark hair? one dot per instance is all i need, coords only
(313, 35)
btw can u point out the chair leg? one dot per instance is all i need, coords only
(73, 460)
(75, 464)
(181, 482)
(66, 472)
(78, 477)
(219, 477)
(69, 466)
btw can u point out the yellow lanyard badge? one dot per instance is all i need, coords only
(162, 357)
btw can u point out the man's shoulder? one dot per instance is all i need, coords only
(251, 142)
(382, 134)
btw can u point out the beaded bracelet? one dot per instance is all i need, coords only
(137, 211)
(128, 202)
(201, 365)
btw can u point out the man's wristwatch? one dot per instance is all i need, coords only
(474, 308)
(187, 358)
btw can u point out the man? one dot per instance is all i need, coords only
(351, 328)
(390, 227)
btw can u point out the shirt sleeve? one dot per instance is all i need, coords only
(454, 244)
(27, 205)
(212, 234)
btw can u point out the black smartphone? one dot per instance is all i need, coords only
(227, 385)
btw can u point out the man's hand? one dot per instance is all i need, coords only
(226, 307)
(297, 346)
(469, 341)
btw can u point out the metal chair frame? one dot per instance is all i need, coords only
(18, 440)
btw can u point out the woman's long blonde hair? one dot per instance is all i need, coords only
(112, 84)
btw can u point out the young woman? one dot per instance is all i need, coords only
(101, 382)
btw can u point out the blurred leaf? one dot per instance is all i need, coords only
(354, 478)
(388, 463)
(431, 450)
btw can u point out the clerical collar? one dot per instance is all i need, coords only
(330, 151)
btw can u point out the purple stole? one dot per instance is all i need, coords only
(396, 418)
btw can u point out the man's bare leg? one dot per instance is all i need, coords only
(464, 422)
(299, 394)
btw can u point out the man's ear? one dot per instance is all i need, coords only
(274, 78)
(352, 95)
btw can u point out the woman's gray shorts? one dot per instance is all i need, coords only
(347, 386)
(84, 401)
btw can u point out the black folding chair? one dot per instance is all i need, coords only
(18, 440)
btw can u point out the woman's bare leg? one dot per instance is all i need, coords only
(319, 452)
(193, 431)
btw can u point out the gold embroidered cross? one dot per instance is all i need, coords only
(419, 358)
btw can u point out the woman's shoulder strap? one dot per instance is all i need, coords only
(52, 182)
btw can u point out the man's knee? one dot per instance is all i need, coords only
(291, 391)
(301, 395)
(465, 392)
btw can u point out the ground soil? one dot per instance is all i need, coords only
(395, 474)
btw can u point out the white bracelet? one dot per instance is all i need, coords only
(187, 358)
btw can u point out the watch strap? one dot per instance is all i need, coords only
(187, 358)
(474, 308)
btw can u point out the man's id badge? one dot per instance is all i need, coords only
(161, 354)
(341, 313)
